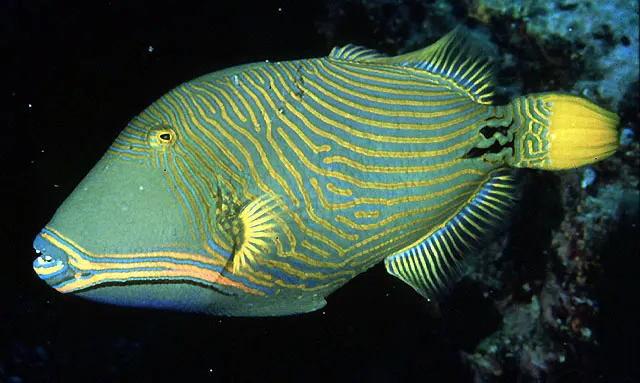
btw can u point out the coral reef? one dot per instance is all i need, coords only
(597, 43)
(549, 319)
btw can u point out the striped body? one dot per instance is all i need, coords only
(261, 189)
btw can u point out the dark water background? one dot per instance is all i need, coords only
(74, 74)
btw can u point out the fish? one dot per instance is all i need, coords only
(260, 189)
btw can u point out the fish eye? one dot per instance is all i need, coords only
(160, 137)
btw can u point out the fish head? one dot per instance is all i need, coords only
(131, 223)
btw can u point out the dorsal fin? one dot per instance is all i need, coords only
(352, 52)
(433, 264)
(457, 56)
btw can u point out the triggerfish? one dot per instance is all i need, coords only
(260, 189)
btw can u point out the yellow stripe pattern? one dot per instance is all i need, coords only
(365, 158)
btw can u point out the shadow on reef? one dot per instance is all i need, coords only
(540, 211)
(618, 297)
(485, 307)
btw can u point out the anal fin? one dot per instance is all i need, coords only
(433, 264)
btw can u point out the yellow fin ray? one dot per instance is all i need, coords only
(433, 263)
(257, 230)
(458, 57)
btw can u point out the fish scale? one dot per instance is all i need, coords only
(260, 189)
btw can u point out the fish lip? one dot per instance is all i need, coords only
(51, 264)
(39, 244)
(42, 257)
(43, 260)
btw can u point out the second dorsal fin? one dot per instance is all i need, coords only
(457, 57)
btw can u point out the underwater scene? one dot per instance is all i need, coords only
(320, 191)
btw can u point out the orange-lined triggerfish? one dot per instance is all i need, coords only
(260, 189)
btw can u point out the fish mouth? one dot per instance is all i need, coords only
(51, 264)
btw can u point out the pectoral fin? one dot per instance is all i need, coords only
(252, 229)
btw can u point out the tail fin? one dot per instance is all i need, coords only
(560, 131)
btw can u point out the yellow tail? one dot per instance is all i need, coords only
(560, 131)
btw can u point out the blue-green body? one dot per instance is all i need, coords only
(261, 189)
